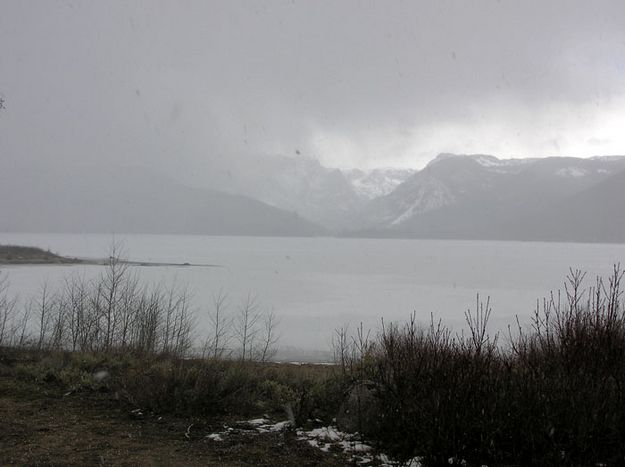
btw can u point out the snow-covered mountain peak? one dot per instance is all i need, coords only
(370, 184)
(428, 196)
(574, 172)
(485, 160)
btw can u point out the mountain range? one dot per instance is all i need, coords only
(482, 197)
(133, 200)
(454, 196)
(326, 196)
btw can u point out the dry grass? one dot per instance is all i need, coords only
(53, 415)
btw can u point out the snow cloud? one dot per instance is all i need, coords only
(187, 86)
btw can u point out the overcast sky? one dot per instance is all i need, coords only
(353, 83)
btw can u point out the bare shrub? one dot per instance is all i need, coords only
(553, 396)
(342, 349)
(45, 309)
(246, 326)
(7, 312)
(112, 313)
(20, 330)
(176, 321)
(571, 371)
(220, 323)
(255, 331)
(269, 338)
(111, 289)
(352, 351)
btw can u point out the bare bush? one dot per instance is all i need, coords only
(21, 333)
(245, 326)
(7, 312)
(341, 348)
(255, 331)
(219, 332)
(269, 337)
(115, 312)
(352, 352)
(553, 397)
(110, 313)
(45, 309)
(111, 289)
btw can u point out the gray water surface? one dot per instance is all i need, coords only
(315, 285)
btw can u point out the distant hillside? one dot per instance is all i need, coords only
(596, 214)
(133, 201)
(297, 184)
(460, 197)
(326, 196)
(482, 197)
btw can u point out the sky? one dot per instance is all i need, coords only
(185, 86)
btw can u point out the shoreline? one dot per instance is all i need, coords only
(17, 255)
(61, 261)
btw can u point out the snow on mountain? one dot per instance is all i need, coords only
(324, 195)
(572, 172)
(370, 184)
(428, 196)
(488, 161)
(479, 196)
(454, 196)
(299, 184)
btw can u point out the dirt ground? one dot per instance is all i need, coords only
(40, 424)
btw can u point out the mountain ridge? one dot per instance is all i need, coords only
(133, 200)
(482, 197)
(471, 197)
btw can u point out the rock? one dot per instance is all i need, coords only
(361, 410)
(101, 376)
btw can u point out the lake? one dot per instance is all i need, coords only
(315, 285)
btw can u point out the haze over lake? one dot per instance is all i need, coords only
(315, 285)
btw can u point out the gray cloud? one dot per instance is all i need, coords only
(191, 85)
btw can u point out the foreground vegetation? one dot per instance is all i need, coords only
(551, 394)
(57, 409)
(117, 312)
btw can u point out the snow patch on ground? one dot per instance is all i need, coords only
(326, 438)
(254, 426)
(268, 428)
(255, 422)
(330, 438)
(326, 433)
